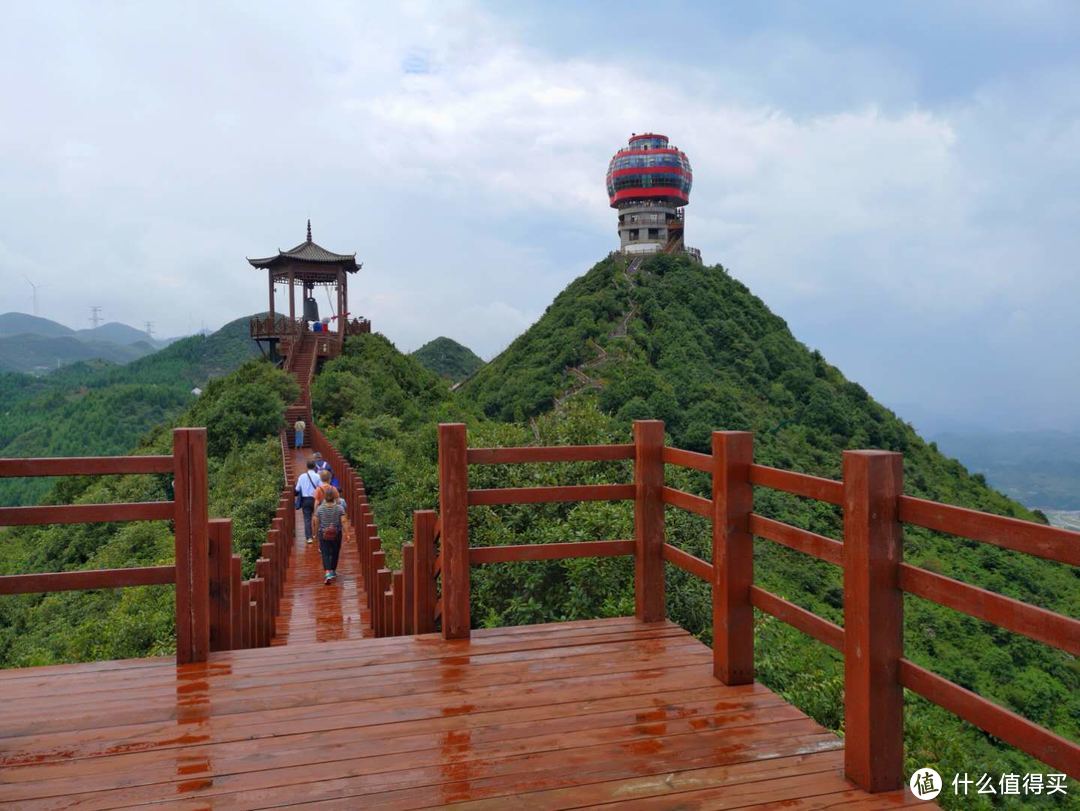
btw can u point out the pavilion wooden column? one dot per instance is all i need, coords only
(873, 620)
(341, 307)
(270, 278)
(292, 298)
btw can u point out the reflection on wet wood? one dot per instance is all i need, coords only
(547, 716)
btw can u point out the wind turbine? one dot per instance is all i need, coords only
(34, 287)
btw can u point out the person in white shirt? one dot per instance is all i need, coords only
(305, 488)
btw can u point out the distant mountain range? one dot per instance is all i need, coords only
(1038, 468)
(37, 345)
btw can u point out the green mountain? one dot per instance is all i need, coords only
(93, 408)
(21, 323)
(692, 346)
(242, 413)
(122, 334)
(40, 354)
(447, 358)
(39, 345)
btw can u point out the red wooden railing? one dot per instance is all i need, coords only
(215, 608)
(198, 541)
(875, 576)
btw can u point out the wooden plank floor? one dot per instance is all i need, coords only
(595, 713)
(311, 611)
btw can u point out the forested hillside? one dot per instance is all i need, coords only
(96, 408)
(242, 413)
(448, 358)
(692, 346)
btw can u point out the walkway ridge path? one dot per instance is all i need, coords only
(312, 611)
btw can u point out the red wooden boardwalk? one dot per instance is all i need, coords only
(550, 716)
(310, 610)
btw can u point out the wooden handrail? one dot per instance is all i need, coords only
(91, 579)
(799, 484)
(87, 513)
(1016, 730)
(85, 466)
(1033, 622)
(1052, 543)
(801, 540)
(689, 563)
(798, 617)
(688, 501)
(688, 459)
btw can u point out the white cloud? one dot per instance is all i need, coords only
(467, 170)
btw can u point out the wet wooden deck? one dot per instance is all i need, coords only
(311, 611)
(549, 716)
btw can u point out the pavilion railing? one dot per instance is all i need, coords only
(875, 576)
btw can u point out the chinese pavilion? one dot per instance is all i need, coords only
(308, 266)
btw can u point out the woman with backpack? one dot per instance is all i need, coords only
(328, 529)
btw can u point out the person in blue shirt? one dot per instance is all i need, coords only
(306, 485)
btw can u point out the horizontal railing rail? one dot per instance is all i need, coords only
(85, 466)
(876, 579)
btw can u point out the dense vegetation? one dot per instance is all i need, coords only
(99, 408)
(691, 345)
(242, 413)
(448, 358)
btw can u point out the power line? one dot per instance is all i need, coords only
(95, 316)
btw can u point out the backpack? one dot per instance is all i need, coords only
(330, 533)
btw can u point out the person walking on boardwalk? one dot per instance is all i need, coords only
(328, 528)
(321, 465)
(299, 427)
(325, 484)
(305, 488)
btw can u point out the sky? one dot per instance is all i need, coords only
(897, 181)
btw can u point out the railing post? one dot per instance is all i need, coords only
(873, 620)
(220, 584)
(397, 587)
(408, 586)
(386, 607)
(454, 509)
(191, 545)
(649, 598)
(245, 615)
(733, 557)
(378, 563)
(423, 607)
(236, 621)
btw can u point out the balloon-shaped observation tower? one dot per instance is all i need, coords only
(649, 182)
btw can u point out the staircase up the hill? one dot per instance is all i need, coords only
(301, 363)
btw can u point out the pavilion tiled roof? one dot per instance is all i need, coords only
(308, 251)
